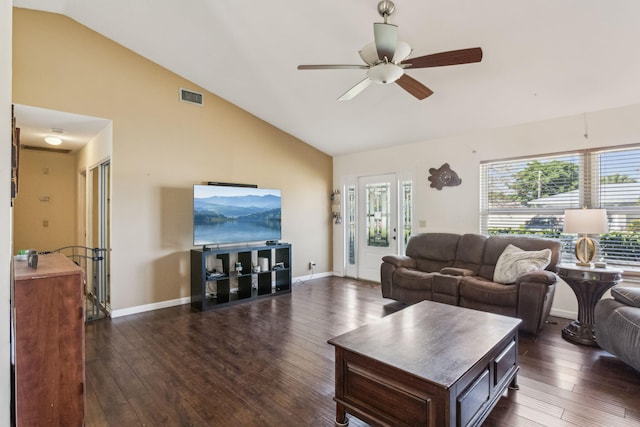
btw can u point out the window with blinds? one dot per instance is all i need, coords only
(616, 188)
(529, 196)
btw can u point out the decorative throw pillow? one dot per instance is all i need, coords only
(514, 262)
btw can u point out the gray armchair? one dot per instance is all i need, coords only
(618, 324)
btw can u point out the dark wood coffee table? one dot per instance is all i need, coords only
(430, 364)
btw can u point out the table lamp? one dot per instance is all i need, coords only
(585, 221)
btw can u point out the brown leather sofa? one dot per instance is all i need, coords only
(458, 269)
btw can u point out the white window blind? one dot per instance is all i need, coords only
(529, 196)
(615, 176)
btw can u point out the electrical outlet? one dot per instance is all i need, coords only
(312, 264)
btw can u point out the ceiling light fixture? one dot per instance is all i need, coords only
(53, 140)
(384, 73)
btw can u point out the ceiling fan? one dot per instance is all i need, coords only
(387, 58)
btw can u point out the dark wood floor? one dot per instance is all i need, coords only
(267, 363)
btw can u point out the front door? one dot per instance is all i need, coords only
(377, 223)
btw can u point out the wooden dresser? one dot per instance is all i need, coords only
(48, 315)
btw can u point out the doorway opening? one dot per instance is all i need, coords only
(377, 222)
(71, 210)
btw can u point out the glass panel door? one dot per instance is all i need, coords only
(377, 214)
(378, 217)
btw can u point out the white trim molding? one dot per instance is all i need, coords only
(149, 307)
(187, 300)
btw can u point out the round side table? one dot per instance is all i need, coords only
(589, 284)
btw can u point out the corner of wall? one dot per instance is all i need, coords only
(6, 248)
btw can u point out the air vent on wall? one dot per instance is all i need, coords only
(191, 97)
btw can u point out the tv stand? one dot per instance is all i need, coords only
(211, 289)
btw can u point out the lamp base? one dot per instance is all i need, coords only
(584, 264)
(585, 251)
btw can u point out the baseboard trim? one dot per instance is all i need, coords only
(187, 300)
(150, 307)
(312, 276)
(564, 314)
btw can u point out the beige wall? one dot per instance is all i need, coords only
(39, 224)
(161, 147)
(6, 235)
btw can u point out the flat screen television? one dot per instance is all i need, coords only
(225, 214)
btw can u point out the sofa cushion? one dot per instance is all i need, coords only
(453, 271)
(496, 244)
(445, 288)
(626, 295)
(514, 262)
(433, 251)
(400, 261)
(486, 292)
(413, 279)
(470, 251)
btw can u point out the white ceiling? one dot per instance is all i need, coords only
(542, 59)
(75, 130)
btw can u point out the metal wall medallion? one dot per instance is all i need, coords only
(443, 177)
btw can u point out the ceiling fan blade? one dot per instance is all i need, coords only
(414, 87)
(386, 37)
(452, 57)
(402, 51)
(359, 87)
(369, 54)
(333, 67)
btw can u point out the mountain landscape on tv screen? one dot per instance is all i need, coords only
(235, 215)
(238, 208)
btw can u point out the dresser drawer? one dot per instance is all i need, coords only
(473, 398)
(506, 361)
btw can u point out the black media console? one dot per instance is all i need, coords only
(222, 276)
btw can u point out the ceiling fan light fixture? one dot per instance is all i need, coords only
(53, 140)
(385, 73)
(387, 58)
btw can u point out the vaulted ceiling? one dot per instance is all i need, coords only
(542, 59)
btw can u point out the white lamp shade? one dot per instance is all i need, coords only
(586, 221)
